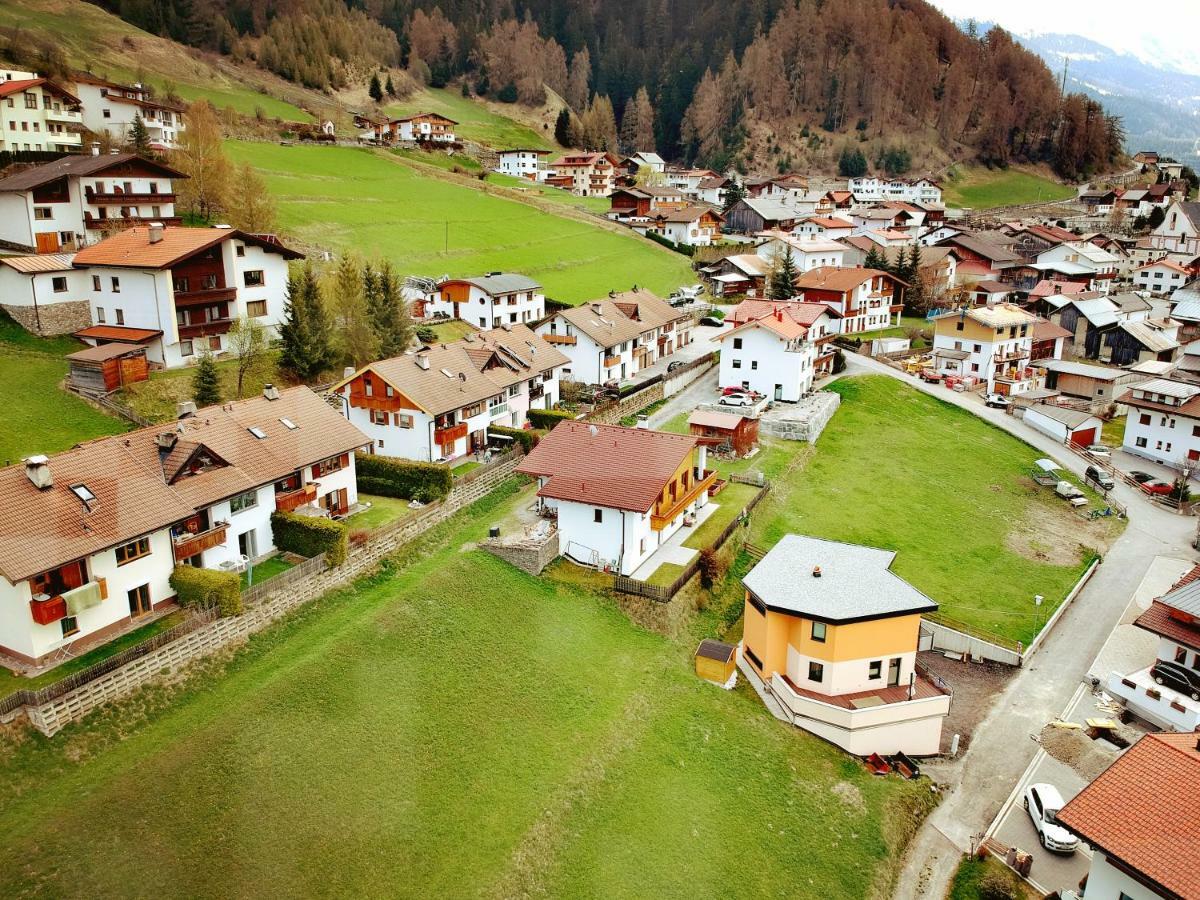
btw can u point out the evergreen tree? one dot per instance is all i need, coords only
(390, 316)
(304, 333)
(562, 127)
(914, 294)
(508, 93)
(375, 90)
(139, 136)
(733, 194)
(390, 88)
(344, 296)
(852, 163)
(781, 284)
(875, 260)
(206, 383)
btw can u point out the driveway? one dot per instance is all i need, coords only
(704, 341)
(979, 782)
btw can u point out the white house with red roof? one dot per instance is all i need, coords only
(830, 227)
(1161, 277)
(618, 493)
(864, 298)
(37, 114)
(585, 174)
(770, 354)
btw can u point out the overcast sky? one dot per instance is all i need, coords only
(1168, 35)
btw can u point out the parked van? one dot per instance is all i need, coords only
(1099, 477)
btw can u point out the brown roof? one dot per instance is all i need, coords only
(606, 465)
(717, 650)
(724, 421)
(79, 164)
(104, 352)
(124, 334)
(43, 529)
(132, 247)
(1048, 331)
(1144, 811)
(465, 372)
(47, 262)
(16, 87)
(690, 214)
(784, 326)
(834, 278)
(608, 321)
(1158, 619)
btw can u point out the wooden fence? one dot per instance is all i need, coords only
(297, 573)
(663, 593)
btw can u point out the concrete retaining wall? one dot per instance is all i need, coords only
(628, 406)
(952, 641)
(681, 378)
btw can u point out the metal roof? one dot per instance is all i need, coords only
(1072, 418)
(49, 262)
(1068, 367)
(501, 283)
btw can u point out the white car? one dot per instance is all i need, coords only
(1042, 802)
(736, 400)
(1098, 451)
(996, 401)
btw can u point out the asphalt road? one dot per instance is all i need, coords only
(1002, 747)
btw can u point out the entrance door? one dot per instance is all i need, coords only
(139, 601)
(47, 242)
(247, 545)
(894, 672)
(778, 392)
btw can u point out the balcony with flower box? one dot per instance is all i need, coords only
(188, 545)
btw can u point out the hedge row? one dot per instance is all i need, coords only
(310, 536)
(390, 476)
(199, 588)
(685, 249)
(527, 439)
(547, 418)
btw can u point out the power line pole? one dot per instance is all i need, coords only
(1066, 65)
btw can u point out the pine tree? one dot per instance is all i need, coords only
(206, 383)
(375, 90)
(390, 88)
(139, 136)
(344, 297)
(782, 282)
(390, 316)
(733, 194)
(914, 294)
(875, 260)
(304, 333)
(562, 127)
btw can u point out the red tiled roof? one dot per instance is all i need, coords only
(1144, 811)
(119, 333)
(132, 247)
(1158, 620)
(1048, 331)
(833, 278)
(784, 326)
(16, 87)
(804, 313)
(606, 465)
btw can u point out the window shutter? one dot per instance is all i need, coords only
(316, 471)
(396, 419)
(345, 460)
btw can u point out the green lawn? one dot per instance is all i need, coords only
(665, 574)
(978, 187)
(377, 204)
(9, 681)
(901, 330)
(39, 416)
(475, 121)
(450, 727)
(382, 511)
(731, 501)
(464, 467)
(452, 330)
(1113, 432)
(268, 568)
(440, 158)
(156, 399)
(548, 192)
(968, 879)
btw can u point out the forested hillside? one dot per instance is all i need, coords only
(762, 81)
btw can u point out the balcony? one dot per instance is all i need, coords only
(289, 500)
(498, 410)
(188, 545)
(205, 329)
(94, 222)
(663, 518)
(109, 198)
(205, 296)
(64, 115)
(1158, 704)
(450, 433)
(1003, 356)
(537, 393)
(610, 361)
(48, 610)
(560, 339)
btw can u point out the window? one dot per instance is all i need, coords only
(243, 502)
(139, 600)
(180, 284)
(977, 347)
(758, 605)
(186, 348)
(59, 283)
(116, 285)
(598, 515)
(379, 417)
(404, 420)
(958, 326)
(368, 386)
(379, 444)
(41, 212)
(208, 282)
(133, 550)
(120, 316)
(750, 655)
(875, 670)
(70, 626)
(1144, 419)
(1140, 442)
(754, 365)
(256, 308)
(1181, 655)
(816, 672)
(737, 343)
(737, 363)
(100, 314)
(253, 278)
(329, 466)
(819, 630)
(257, 432)
(239, 249)
(95, 282)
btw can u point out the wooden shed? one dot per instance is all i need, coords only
(716, 661)
(108, 367)
(717, 428)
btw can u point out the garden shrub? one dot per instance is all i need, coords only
(526, 438)
(546, 419)
(426, 335)
(390, 476)
(999, 884)
(309, 536)
(199, 588)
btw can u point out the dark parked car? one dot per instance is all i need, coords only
(1179, 677)
(1141, 477)
(712, 321)
(675, 365)
(1096, 475)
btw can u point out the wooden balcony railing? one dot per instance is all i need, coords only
(663, 518)
(204, 329)
(121, 199)
(93, 222)
(52, 609)
(1006, 355)
(538, 392)
(188, 545)
(205, 296)
(610, 361)
(452, 433)
(288, 501)
(560, 338)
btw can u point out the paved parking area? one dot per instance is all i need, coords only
(705, 339)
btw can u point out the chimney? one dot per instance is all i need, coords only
(156, 232)
(348, 371)
(643, 422)
(270, 392)
(597, 308)
(423, 361)
(185, 409)
(37, 470)
(165, 440)
(816, 571)
(95, 148)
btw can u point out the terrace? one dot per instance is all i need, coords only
(665, 516)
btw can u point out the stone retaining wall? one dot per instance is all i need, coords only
(529, 555)
(66, 317)
(805, 422)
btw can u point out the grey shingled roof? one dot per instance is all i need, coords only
(1186, 598)
(502, 283)
(856, 582)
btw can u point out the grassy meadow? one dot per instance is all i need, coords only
(475, 121)
(448, 727)
(348, 198)
(978, 187)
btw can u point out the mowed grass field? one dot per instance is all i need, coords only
(979, 187)
(451, 727)
(342, 198)
(475, 121)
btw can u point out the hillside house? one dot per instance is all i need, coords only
(939, 267)
(645, 201)
(688, 181)
(618, 494)
(1163, 423)
(1161, 278)
(807, 252)
(437, 403)
(993, 344)
(523, 162)
(37, 114)
(1144, 801)
(724, 429)
(770, 355)
(111, 108)
(828, 227)
(1048, 341)
(488, 301)
(94, 533)
(980, 258)
(712, 190)
(834, 633)
(422, 128)
(642, 162)
(585, 174)
(44, 294)
(749, 216)
(692, 226)
(738, 273)
(1099, 263)
(616, 337)
(864, 298)
(870, 188)
(1179, 231)
(821, 321)
(78, 199)
(181, 289)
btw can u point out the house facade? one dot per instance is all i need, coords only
(616, 337)
(1163, 423)
(111, 108)
(821, 323)
(96, 532)
(807, 252)
(1161, 277)
(691, 226)
(44, 293)
(523, 163)
(585, 174)
(37, 114)
(489, 301)
(1179, 231)
(990, 343)
(437, 403)
(871, 188)
(771, 355)
(67, 204)
(617, 493)
(831, 633)
(185, 287)
(865, 299)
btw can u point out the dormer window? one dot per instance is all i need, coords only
(84, 493)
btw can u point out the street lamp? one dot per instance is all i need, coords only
(1037, 602)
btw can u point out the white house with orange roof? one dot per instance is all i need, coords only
(1161, 277)
(37, 114)
(771, 354)
(585, 174)
(864, 298)
(829, 227)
